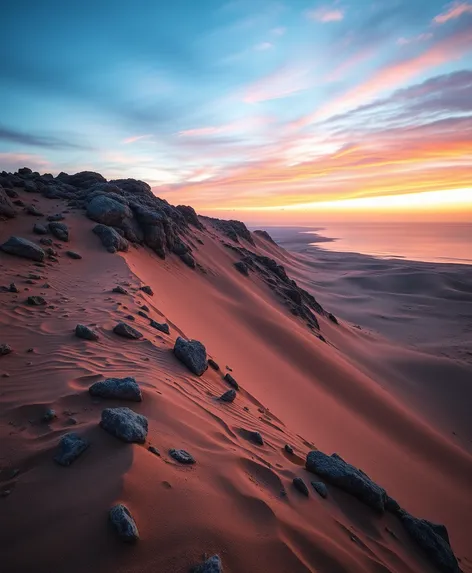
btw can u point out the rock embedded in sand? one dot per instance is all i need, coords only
(7, 208)
(231, 381)
(5, 349)
(188, 260)
(123, 523)
(120, 290)
(211, 565)
(213, 364)
(39, 229)
(228, 396)
(147, 289)
(154, 451)
(71, 447)
(13, 288)
(288, 449)
(300, 485)
(46, 241)
(192, 353)
(242, 268)
(86, 333)
(332, 318)
(182, 456)
(127, 331)
(73, 255)
(120, 388)
(49, 415)
(143, 314)
(33, 210)
(23, 248)
(59, 230)
(347, 477)
(433, 540)
(392, 506)
(36, 301)
(125, 424)
(161, 326)
(254, 437)
(111, 239)
(55, 218)
(320, 488)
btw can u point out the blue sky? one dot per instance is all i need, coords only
(240, 103)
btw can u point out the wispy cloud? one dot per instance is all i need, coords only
(245, 124)
(419, 38)
(135, 138)
(36, 140)
(279, 31)
(263, 46)
(454, 10)
(283, 83)
(326, 14)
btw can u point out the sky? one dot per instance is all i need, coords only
(257, 109)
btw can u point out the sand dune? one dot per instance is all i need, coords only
(384, 406)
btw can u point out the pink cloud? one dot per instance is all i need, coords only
(135, 138)
(281, 84)
(13, 161)
(326, 15)
(455, 10)
(246, 124)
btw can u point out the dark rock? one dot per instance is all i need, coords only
(180, 248)
(125, 424)
(347, 477)
(182, 456)
(40, 229)
(55, 218)
(82, 331)
(433, 540)
(13, 288)
(320, 488)
(265, 235)
(73, 255)
(30, 187)
(212, 565)
(213, 364)
(23, 248)
(5, 349)
(143, 314)
(49, 415)
(300, 485)
(127, 331)
(120, 388)
(59, 230)
(154, 450)
(188, 260)
(7, 209)
(332, 318)
(147, 289)
(112, 240)
(123, 523)
(253, 437)
(34, 276)
(392, 505)
(84, 179)
(108, 211)
(228, 396)
(192, 353)
(44, 241)
(242, 268)
(294, 295)
(36, 301)
(120, 290)
(71, 447)
(145, 308)
(288, 449)
(190, 215)
(231, 381)
(33, 210)
(161, 326)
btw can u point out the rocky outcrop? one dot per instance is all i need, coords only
(234, 230)
(264, 235)
(192, 353)
(111, 239)
(7, 209)
(108, 211)
(190, 215)
(23, 248)
(119, 388)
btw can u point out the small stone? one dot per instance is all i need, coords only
(36, 301)
(127, 331)
(45, 241)
(125, 424)
(130, 317)
(59, 230)
(300, 485)
(288, 449)
(143, 314)
(192, 353)
(57, 217)
(30, 350)
(254, 437)
(182, 456)
(231, 381)
(123, 523)
(154, 450)
(49, 415)
(34, 276)
(39, 229)
(72, 421)
(71, 447)
(320, 488)
(213, 364)
(120, 290)
(73, 255)
(13, 288)
(147, 289)
(145, 308)
(33, 210)
(212, 565)
(120, 388)
(5, 349)
(228, 396)
(161, 326)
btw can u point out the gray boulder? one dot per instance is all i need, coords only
(120, 290)
(147, 289)
(127, 331)
(320, 488)
(56, 217)
(33, 210)
(82, 331)
(7, 209)
(231, 381)
(108, 211)
(59, 230)
(300, 485)
(161, 326)
(36, 300)
(192, 353)
(120, 388)
(228, 396)
(123, 523)
(23, 248)
(347, 477)
(112, 240)
(40, 229)
(5, 349)
(212, 565)
(73, 255)
(125, 424)
(71, 447)
(182, 456)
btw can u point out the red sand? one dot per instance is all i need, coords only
(348, 395)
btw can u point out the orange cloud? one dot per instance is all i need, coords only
(454, 11)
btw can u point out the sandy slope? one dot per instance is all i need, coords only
(357, 394)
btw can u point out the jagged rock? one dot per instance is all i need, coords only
(24, 171)
(192, 353)
(265, 235)
(120, 388)
(392, 505)
(5, 349)
(347, 477)
(144, 315)
(145, 308)
(39, 229)
(212, 565)
(242, 268)
(71, 447)
(288, 449)
(82, 331)
(33, 210)
(253, 436)
(147, 289)
(59, 230)
(299, 484)
(433, 540)
(231, 381)
(36, 301)
(188, 260)
(182, 456)
(120, 290)
(320, 488)
(228, 396)
(133, 186)
(84, 179)
(332, 318)
(161, 326)
(232, 229)
(190, 215)
(108, 211)
(55, 218)
(73, 255)
(13, 288)
(213, 364)
(44, 241)
(49, 415)
(123, 523)
(180, 248)
(127, 331)
(294, 295)
(30, 187)
(125, 424)
(23, 248)
(112, 240)
(7, 209)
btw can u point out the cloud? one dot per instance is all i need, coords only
(282, 83)
(326, 14)
(279, 31)
(14, 136)
(135, 138)
(420, 38)
(455, 10)
(263, 46)
(13, 161)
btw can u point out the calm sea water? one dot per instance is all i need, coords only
(433, 242)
